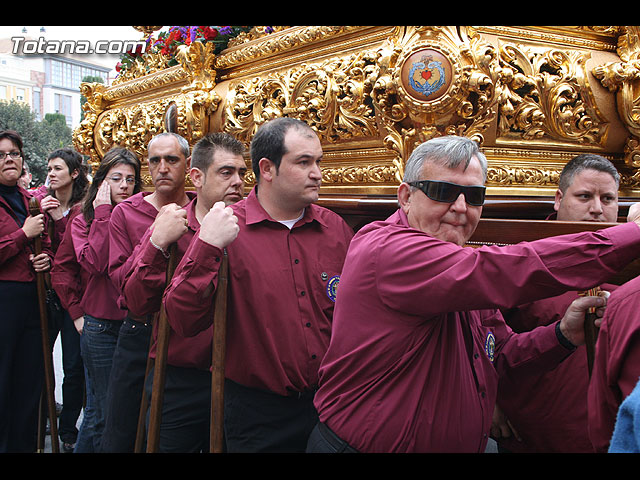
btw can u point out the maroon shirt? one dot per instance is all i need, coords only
(616, 367)
(418, 345)
(143, 291)
(547, 409)
(91, 248)
(130, 220)
(15, 247)
(281, 295)
(68, 278)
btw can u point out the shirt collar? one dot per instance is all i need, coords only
(255, 213)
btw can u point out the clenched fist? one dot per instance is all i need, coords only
(170, 224)
(219, 226)
(33, 226)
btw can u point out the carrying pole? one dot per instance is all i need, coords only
(216, 441)
(49, 378)
(160, 364)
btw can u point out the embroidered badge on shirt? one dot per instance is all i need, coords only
(490, 345)
(332, 287)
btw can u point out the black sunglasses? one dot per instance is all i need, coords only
(448, 192)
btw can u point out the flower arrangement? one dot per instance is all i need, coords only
(167, 42)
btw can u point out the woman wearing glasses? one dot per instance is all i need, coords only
(21, 365)
(117, 178)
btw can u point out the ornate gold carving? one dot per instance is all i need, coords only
(288, 39)
(467, 108)
(128, 115)
(331, 97)
(522, 92)
(623, 78)
(546, 96)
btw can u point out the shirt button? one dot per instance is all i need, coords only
(303, 293)
(308, 324)
(296, 261)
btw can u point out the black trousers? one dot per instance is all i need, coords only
(186, 409)
(126, 386)
(324, 440)
(262, 422)
(21, 366)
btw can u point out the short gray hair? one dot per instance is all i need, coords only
(182, 142)
(449, 151)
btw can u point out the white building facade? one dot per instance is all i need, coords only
(48, 83)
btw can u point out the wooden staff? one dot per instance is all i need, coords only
(216, 434)
(49, 379)
(590, 329)
(162, 348)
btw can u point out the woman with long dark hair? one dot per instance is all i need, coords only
(67, 184)
(21, 361)
(117, 178)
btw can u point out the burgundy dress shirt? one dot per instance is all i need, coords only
(282, 286)
(418, 344)
(616, 367)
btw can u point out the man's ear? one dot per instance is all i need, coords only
(197, 177)
(267, 169)
(404, 196)
(558, 200)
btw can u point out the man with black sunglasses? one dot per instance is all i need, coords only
(418, 341)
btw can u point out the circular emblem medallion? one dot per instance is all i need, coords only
(332, 287)
(426, 75)
(490, 345)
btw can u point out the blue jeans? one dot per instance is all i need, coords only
(98, 343)
(86, 433)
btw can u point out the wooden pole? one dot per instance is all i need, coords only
(216, 441)
(49, 378)
(160, 364)
(590, 330)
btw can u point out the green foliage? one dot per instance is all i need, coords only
(40, 138)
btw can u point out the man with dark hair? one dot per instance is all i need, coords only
(217, 172)
(547, 411)
(285, 257)
(588, 190)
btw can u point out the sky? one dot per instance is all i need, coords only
(91, 34)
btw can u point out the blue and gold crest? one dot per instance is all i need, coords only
(427, 76)
(332, 287)
(490, 345)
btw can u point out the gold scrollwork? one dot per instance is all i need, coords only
(112, 118)
(331, 97)
(467, 107)
(623, 78)
(546, 96)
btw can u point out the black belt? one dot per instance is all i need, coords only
(334, 440)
